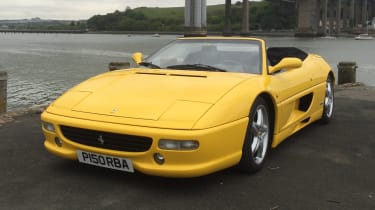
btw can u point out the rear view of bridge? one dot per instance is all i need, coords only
(315, 17)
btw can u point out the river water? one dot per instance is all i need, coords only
(42, 66)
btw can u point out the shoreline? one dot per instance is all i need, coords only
(355, 91)
(265, 33)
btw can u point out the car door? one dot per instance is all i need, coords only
(290, 87)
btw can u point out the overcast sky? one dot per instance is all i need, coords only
(77, 9)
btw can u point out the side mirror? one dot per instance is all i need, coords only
(137, 57)
(285, 63)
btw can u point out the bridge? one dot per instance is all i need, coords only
(323, 17)
(315, 17)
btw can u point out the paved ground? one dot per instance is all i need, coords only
(321, 167)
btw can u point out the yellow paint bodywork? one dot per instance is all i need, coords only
(210, 107)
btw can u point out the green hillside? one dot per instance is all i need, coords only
(263, 14)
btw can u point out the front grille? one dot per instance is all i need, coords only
(106, 140)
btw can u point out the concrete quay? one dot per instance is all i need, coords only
(321, 167)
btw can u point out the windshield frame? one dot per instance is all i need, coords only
(247, 68)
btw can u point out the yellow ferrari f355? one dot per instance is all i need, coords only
(196, 106)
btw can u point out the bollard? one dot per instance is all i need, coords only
(347, 72)
(3, 91)
(118, 65)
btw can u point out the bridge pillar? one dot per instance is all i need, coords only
(370, 11)
(324, 17)
(331, 20)
(245, 18)
(364, 13)
(195, 18)
(228, 15)
(338, 17)
(345, 15)
(352, 14)
(307, 18)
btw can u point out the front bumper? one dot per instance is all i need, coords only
(219, 147)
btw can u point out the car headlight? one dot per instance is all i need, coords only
(48, 126)
(178, 144)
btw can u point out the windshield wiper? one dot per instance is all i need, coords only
(197, 67)
(149, 65)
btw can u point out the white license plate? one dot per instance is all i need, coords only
(105, 161)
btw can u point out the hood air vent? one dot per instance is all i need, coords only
(188, 75)
(175, 75)
(152, 73)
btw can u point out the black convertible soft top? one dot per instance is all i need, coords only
(276, 54)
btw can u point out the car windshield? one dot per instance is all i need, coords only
(208, 55)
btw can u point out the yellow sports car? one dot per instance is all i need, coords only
(196, 106)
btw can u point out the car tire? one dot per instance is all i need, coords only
(257, 139)
(328, 102)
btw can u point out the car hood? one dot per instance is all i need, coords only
(150, 95)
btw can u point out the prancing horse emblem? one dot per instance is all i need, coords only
(114, 110)
(100, 139)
